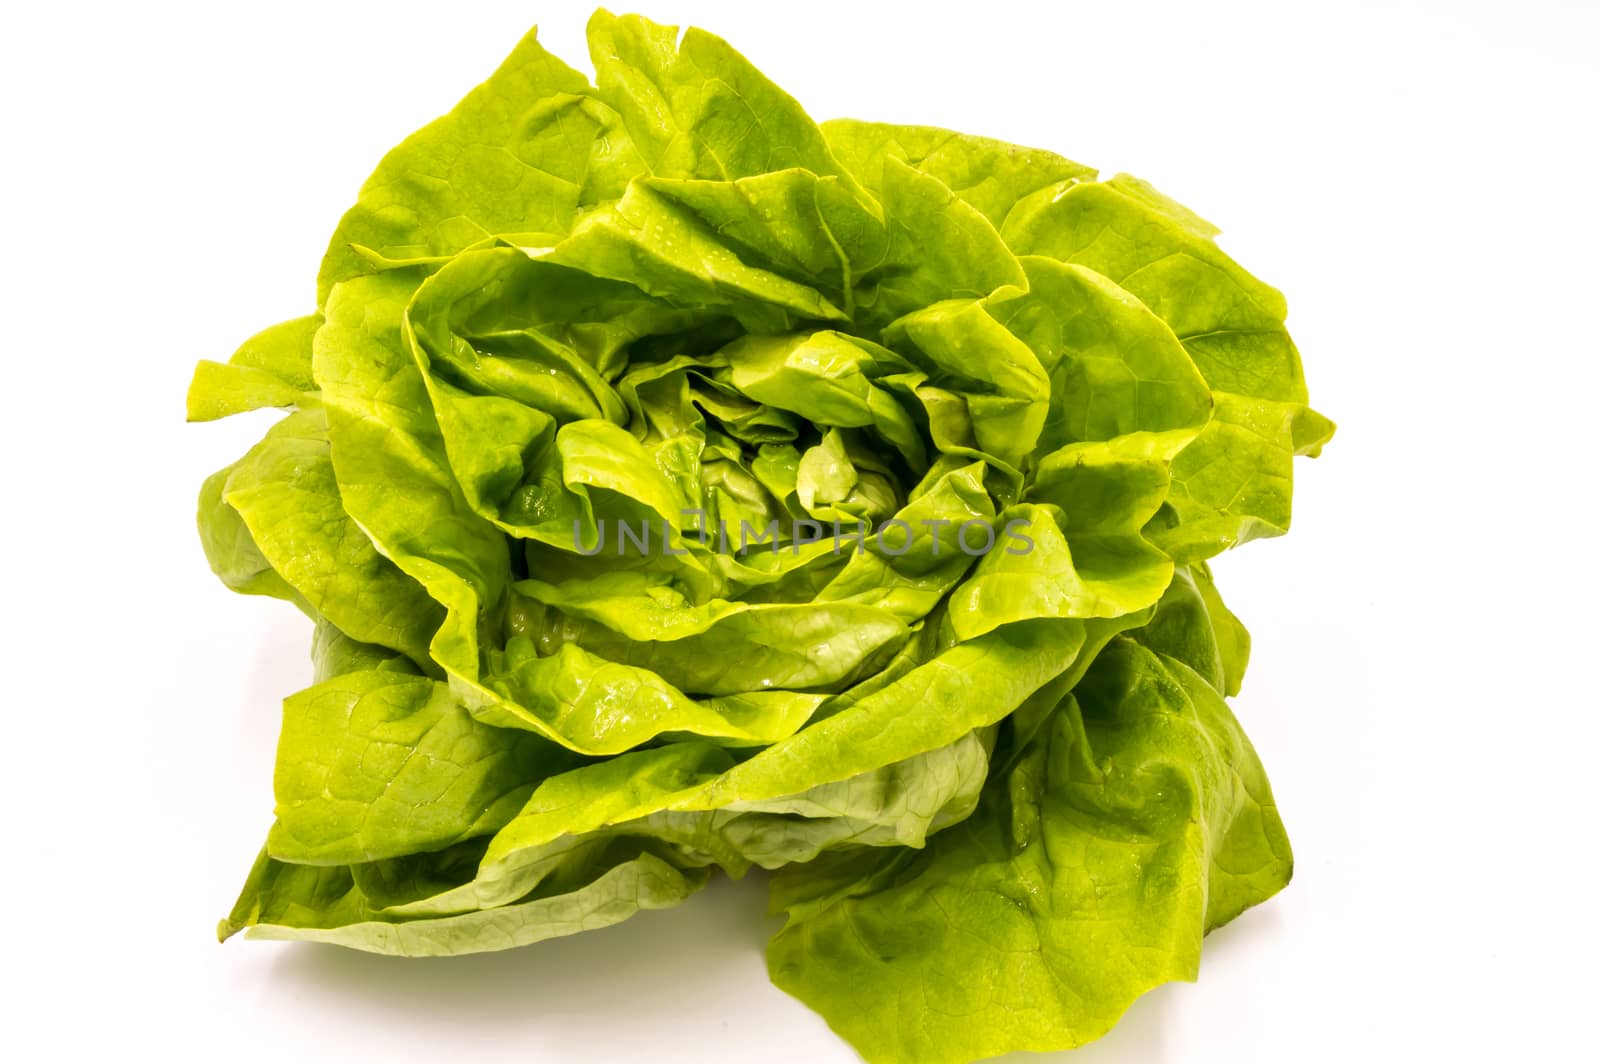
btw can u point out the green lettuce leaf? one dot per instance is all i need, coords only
(272, 368)
(311, 903)
(377, 763)
(990, 175)
(522, 154)
(1137, 820)
(1234, 483)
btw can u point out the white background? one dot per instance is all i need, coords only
(1421, 182)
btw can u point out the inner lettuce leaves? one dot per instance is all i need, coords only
(634, 455)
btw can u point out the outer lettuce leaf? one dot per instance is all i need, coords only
(566, 820)
(863, 259)
(376, 763)
(309, 903)
(899, 804)
(393, 475)
(285, 492)
(232, 552)
(1194, 626)
(1138, 820)
(645, 240)
(586, 810)
(522, 154)
(697, 108)
(272, 368)
(1114, 367)
(334, 654)
(990, 175)
(1234, 483)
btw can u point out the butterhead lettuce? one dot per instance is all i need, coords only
(677, 485)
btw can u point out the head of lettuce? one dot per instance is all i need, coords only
(986, 416)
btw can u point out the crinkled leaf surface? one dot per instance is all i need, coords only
(1138, 819)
